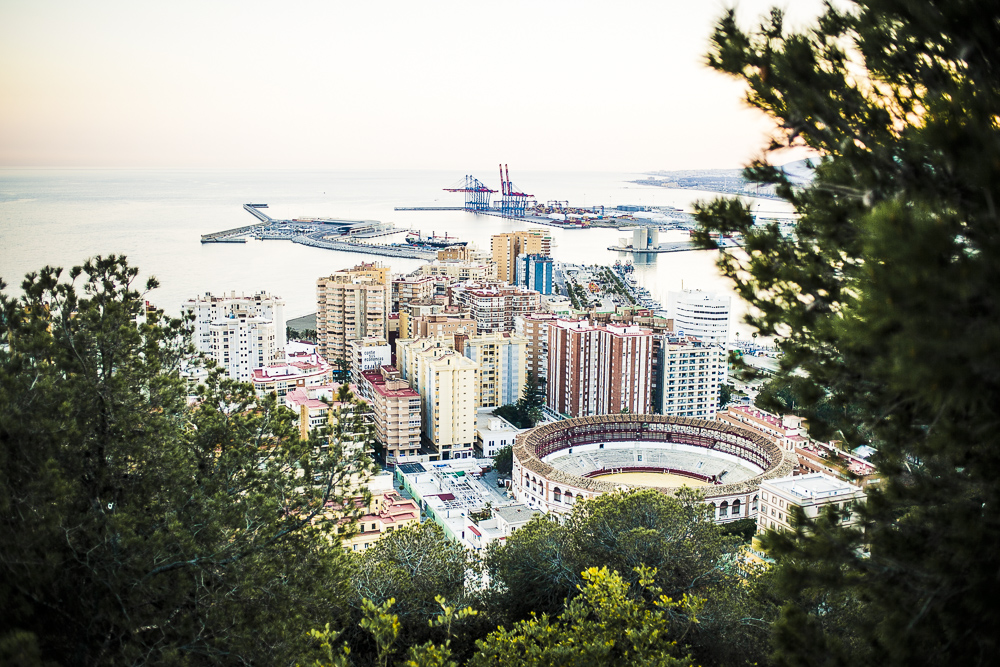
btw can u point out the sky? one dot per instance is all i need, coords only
(302, 84)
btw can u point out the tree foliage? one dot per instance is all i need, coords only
(886, 298)
(419, 568)
(137, 528)
(538, 568)
(606, 624)
(504, 460)
(527, 411)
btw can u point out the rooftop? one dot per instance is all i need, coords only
(813, 487)
(516, 514)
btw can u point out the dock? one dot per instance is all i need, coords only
(329, 233)
(673, 246)
(429, 208)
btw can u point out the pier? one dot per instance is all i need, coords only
(329, 233)
(674, 246)
(429, 208)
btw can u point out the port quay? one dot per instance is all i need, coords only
(329, 233)
(363, 236)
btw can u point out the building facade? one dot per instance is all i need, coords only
(596, 370)
(534, 328)
(412, 288)
(459, 271)
(703, 315)
(367, 354)
(534, 272)
(811, 493)
(493, 433)
(242, 342)
(446, 382)
(494, 305)
(395, 412)
(507, 247)
(299, 369)
(502, 359)
(351, 304)
(689, 375)
(208, 308)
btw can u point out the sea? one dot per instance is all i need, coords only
(61, 217)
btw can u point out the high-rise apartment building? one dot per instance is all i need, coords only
(495, 305)
(595, 370)
(395, 412)
(704, 315)
(208, 309)
(446, 382)
(502, 359)
(534, 328)
(240, 333)
(506, 248)
(534, 272)
(689, 375)
(351, 304)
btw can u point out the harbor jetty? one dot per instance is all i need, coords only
(329, 233)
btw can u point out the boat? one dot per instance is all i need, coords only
(433, 241)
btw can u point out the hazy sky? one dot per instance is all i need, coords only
(610, 85)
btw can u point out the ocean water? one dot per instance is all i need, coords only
(60, 217)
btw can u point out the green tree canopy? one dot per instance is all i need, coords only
(137, 528)
(537, 569)
(886, 298)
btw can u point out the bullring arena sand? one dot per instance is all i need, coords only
(662, 479)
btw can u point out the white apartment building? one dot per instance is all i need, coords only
(241, 342)
(691, 373)
(492, 433)
(208, 309)
(703, 315)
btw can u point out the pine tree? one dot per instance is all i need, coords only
(134, 527)
(887, 298)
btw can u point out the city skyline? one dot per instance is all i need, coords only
(358, 86)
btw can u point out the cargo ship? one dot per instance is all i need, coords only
(434, 241)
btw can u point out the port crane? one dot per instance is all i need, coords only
(513, 202)
(477, 194)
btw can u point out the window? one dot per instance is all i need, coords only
(736, 507)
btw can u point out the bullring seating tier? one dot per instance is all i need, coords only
(620, 455)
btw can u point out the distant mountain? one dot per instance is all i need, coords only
(728, 181)
(799, 172)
